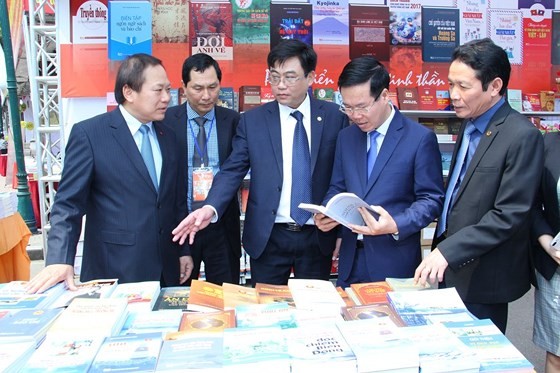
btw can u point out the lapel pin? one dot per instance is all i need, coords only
(319, 119)
(488, 133)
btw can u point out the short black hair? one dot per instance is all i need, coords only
(363, 69)
(488, 60)
(199, 62)
(289, 48)
(131, 73)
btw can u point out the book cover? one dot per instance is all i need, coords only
(173, 297)
(129, 353)
(140, 296)
(369, 31)
(14, 296)
(505, 28)
(405, 23)
(290, 20)
(440, 350)
(316, 295)
(371, 292)
(495, 352)
(27, 325)
(326, 94)
(515, 100)
(473, 20)
(372, 311)
(267, 314)
(427, 98)
(348, 301)
(226, 98)
(531, 101)
(89, 21)
(443, 100)
(380, 346)
(251, 21)
(101, 288)
(204, 351)
(268, 293)
(330, 22)
(440, 33)
(130, 28)
(547, 100)
(255, 350)
(319, 348)
(205, 322)
(249, 97)
(429, 306)
(206, 294)
(408, 98)
(152, 322)
(211, 29)
(170, 21)
(64, 353)
(236, 295)
(109, 315)
(441, 126)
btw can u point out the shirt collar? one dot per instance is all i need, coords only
(191, 114)
(481, 122)
(132, 123)
(304, 108)
(384, 127)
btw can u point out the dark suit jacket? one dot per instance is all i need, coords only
(488, 238)
(128, 224)
(226, 124)
(547, 214)
(258, 145)
(406, 181)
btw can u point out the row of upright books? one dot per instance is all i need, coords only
(305, 326)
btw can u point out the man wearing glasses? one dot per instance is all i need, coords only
(289, 146)
(392, 163)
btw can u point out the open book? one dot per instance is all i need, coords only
(343, 208)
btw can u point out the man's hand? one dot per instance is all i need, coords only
(186, 266)
(546, 240)
(374, 227)
(324, 223)
(197, 220)
(432, 268)
(50, 276)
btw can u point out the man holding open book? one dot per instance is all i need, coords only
(392, 163)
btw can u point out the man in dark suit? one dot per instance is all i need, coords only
(482, 239)
(218, 246)
(404, 183)
(126, 179)
(265, 143)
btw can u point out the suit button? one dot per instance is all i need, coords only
(159, 206)
(273, 212)
(279, 189)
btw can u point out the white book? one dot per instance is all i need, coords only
(316, 295)
(343, 208)
(14, 355)
(140, 295)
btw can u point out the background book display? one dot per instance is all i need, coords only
(440, 33)
(130, 28)
(369, 31)
(290, 20)
(211, 29)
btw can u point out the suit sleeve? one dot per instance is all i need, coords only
(71, 199)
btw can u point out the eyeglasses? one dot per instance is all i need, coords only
(357, 110)
(288, 80)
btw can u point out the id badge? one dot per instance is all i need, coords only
(202, 181)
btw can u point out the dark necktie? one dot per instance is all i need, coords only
(301, 172)
(372, 152)
(147, 155)
(200, 153)
(456, 176)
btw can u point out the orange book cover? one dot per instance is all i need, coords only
(207, 321)
(371, 292)
(274, 293)
(206, 294)
(344, 295)
(235, 295)
(372, 311)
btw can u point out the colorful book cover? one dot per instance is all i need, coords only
(236, 295)
(472, 19)
(174, 297)
(274, 293)
(371, 292)
(369, 31)
(249, 97)
(130, 28)
(89, 21)
(251, 21)
(372, 311)
(443, 100)
(27, 325)
(495, 352)
(139, 295)
(101, 288)
(130, 353)
(152, 322)
(408, 98)
(14, 296)
(206, 294)
(427, 98)
(531, 101)
(261, 315)
(170, 21)
(440, 29)
(405, 22)
(326, 94)
(505, 28)
(515, 100)
(291, 21)
(330, 22)
(211, 29)
(205, 322)
(537, 33)
(226, 98)
(204, 352)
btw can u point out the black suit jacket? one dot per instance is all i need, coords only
(128, 223)
(547, 212)
(488, 229)
(226, 124)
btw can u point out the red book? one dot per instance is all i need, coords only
(371, 292)
(427, 98)
(408, 98)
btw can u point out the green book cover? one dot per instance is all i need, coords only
(251, 21)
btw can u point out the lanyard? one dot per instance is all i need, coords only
(196, 146)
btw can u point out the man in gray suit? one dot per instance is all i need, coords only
(482, 238)
(132, 200)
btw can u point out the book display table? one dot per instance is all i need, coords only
(14, 261)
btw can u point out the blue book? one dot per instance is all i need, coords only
(226, 98)
(440, 33)
(192, 351)
(27, 325)
(130, 28)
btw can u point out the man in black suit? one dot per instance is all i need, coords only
(278, 235)
(219, 246)
(482, 239)
(121, 169)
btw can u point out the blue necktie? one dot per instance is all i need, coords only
(458, 173)
(372, 152)
(147, 155)
(301, 172)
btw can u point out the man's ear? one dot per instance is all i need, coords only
(127, 92)
(496, 86)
